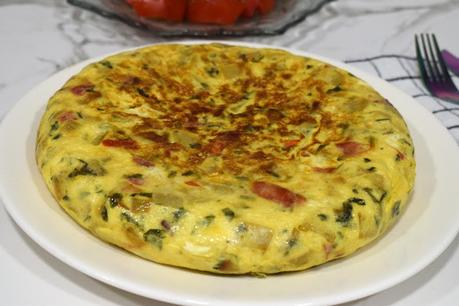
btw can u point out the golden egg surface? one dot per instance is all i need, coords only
(226, 159)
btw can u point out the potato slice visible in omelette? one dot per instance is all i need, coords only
(226, 159)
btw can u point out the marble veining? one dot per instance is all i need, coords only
(57, 35)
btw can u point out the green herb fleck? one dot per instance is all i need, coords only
(84, 194)
(292, 242)
(155, 236)
(357, 201)
(377, 221)
(229, 214)
(53, 131)
(65, 198)
(322, 217)
(212, 71)
(337, 88)
(251, 128)
(403, 140)
(195, 145)
(243, 57)
(396, 208)
(134, 176)
(54, 126)
(367, 160)
(371, 194)
(142, 92)
(114, 199)
(257, 57)
(83, 170)
(179, 213)
(345, 215)
(103, 213)
(246, 96)
(208, 220)
(142, 194)
(272, 173)
(321, 146)
(241, 228)
(371, 169)
(187, 173)
(107, 64)
(172, 174)
(125, 216)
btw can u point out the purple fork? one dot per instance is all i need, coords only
(433, 69)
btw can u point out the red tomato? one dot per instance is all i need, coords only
(215, 11)
(250, 8)
(173, 10)
(263, 6)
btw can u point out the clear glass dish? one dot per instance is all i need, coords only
(286, 14)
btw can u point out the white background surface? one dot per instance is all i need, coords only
(38, 38)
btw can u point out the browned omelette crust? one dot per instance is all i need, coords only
(226, 159)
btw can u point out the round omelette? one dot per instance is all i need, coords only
(226, 159)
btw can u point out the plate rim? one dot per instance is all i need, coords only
(164, 296)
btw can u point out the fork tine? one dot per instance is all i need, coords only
(422, 68)
(444, 70)
(428, 61)
(434, 56)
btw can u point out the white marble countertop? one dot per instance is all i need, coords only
(41, 37)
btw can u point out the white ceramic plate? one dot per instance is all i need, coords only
(424, 231)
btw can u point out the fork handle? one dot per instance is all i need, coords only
(451, 60)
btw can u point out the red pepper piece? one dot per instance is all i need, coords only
(82, 89)
(277, 194)
(67, 116)
(352, 148)
(121, 143)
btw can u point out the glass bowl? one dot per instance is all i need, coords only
(286, 14)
